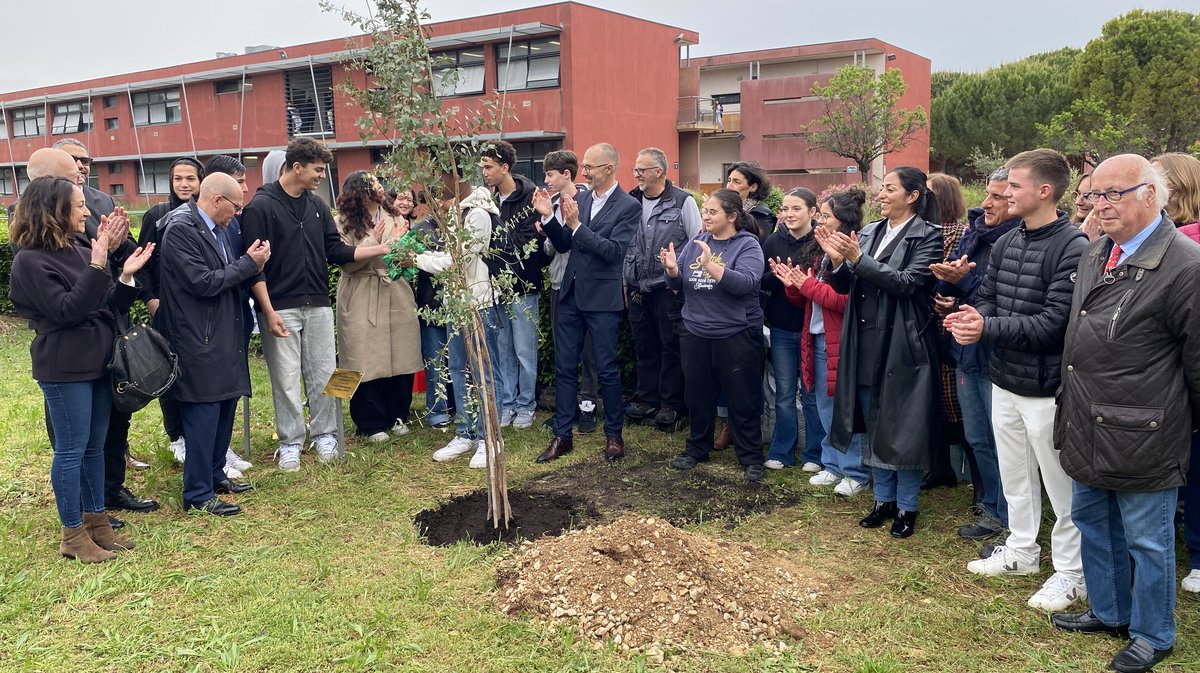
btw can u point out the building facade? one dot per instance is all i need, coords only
(573, 74)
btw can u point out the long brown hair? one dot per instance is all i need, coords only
(43, 215)
(357, 190)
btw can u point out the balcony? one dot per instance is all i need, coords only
(696, 113)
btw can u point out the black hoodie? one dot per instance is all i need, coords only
(301, 249)
(514, 234)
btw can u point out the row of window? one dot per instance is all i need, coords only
(149, 108)
(533, 64)
(156, 180)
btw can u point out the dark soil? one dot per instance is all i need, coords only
(592, 491)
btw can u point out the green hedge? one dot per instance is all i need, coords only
(6, 256)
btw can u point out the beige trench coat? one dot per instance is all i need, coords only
(378, 333)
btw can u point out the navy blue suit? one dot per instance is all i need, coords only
(591, 300)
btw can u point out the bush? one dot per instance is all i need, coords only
(6, 257)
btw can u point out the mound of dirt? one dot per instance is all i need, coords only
(465, 518)
(642, 583)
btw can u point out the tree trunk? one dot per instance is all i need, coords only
(481, 369)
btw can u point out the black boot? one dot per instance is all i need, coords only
(905, 524)
(882, 512)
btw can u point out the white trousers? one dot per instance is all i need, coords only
(1024, 428)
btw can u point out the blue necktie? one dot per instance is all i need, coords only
(222, 243)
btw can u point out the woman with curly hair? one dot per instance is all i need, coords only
(378, 333)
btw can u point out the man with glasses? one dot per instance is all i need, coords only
(201, 313)
(1130, 399)
(597, 232)
(669, 216)
(1021, 312)
(98, 202)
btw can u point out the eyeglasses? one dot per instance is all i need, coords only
(86, 161)
(237, 206)
(589, 167)
(1112, 195)
(640, 171)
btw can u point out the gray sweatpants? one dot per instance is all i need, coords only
(309, 352)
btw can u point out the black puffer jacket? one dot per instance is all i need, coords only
(1025, 317)
(518, 227)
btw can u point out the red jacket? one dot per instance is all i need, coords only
(833, 305)
(1192, 231)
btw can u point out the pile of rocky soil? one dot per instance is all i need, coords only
(643, 584)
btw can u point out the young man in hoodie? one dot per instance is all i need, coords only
(292, 297)
(958, 283)
(1022, 311)
(518, 226)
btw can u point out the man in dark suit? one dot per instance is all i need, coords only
(99, 204)
(596, 232)
(203, 291)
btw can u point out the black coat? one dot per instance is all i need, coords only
(1130, 396)
(202, 313)
(905, 400)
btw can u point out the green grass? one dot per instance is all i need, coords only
(324, 571)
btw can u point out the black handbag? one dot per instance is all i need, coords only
(143, 368)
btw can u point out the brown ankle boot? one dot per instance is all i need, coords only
(724, 435)
(77, 544)
(102, 533)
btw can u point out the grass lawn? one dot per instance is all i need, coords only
(325, 571)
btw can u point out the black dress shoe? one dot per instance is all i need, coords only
(215, 506)
(905, 524)
(115, 522)
(614, 449)
(126, 500)
(234, 487)
(882, 512)
(1138, 656)
(1086, 622)
(558, 447)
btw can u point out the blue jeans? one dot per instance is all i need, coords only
(848, 464)
(785, 361)
(975, 399)
(469, 417)
(1114, 525)
(814, 428)
(433, 344)
(79, 415)
(518, 354)
(898, 486)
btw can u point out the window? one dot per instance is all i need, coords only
(117, 189)
(115, 168)
(111, 124)
(6, 181)
(469, 77)
(530, 155)
(30, 121)
(155, 177)
(529, 65)
(110, 101)
(72, 118)
(3, 128)
(156, 107)
(232, 85)
(309, 96)
(93, 180)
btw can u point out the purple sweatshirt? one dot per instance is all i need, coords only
(715, 310)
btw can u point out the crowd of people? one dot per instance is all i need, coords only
(1056, 351)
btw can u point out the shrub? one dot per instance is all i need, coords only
(6, 257)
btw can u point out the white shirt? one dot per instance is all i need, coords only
(598, 200)
(890, 233)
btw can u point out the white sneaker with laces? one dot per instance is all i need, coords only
(289, 457)
(326, 446)
(522, 420)
(379, 437)
(479, 460)
(179, 449)
(236, 462)
(824, 478)
(849, 487)
(1002, 562)
(811, 467)
(1058, 593)
(1191, 583)
(231, 472)
(399, 428)
(773, 464)
(455, 448)
(506, 417)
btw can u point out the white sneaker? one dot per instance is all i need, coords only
(506, 417)
(1002, 562)
(824, 478)
(289, 457)
(235, 461)
(326, 446)
(479, 460)
(773, 464)
(1191, 583)
(379, 437)
(179, 449)
(849, 487)
(811, 467)
(457, 447)
(522, 420)
(232, 472)
(399, 428)
(1058, 593)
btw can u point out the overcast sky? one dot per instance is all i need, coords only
(58, 41)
